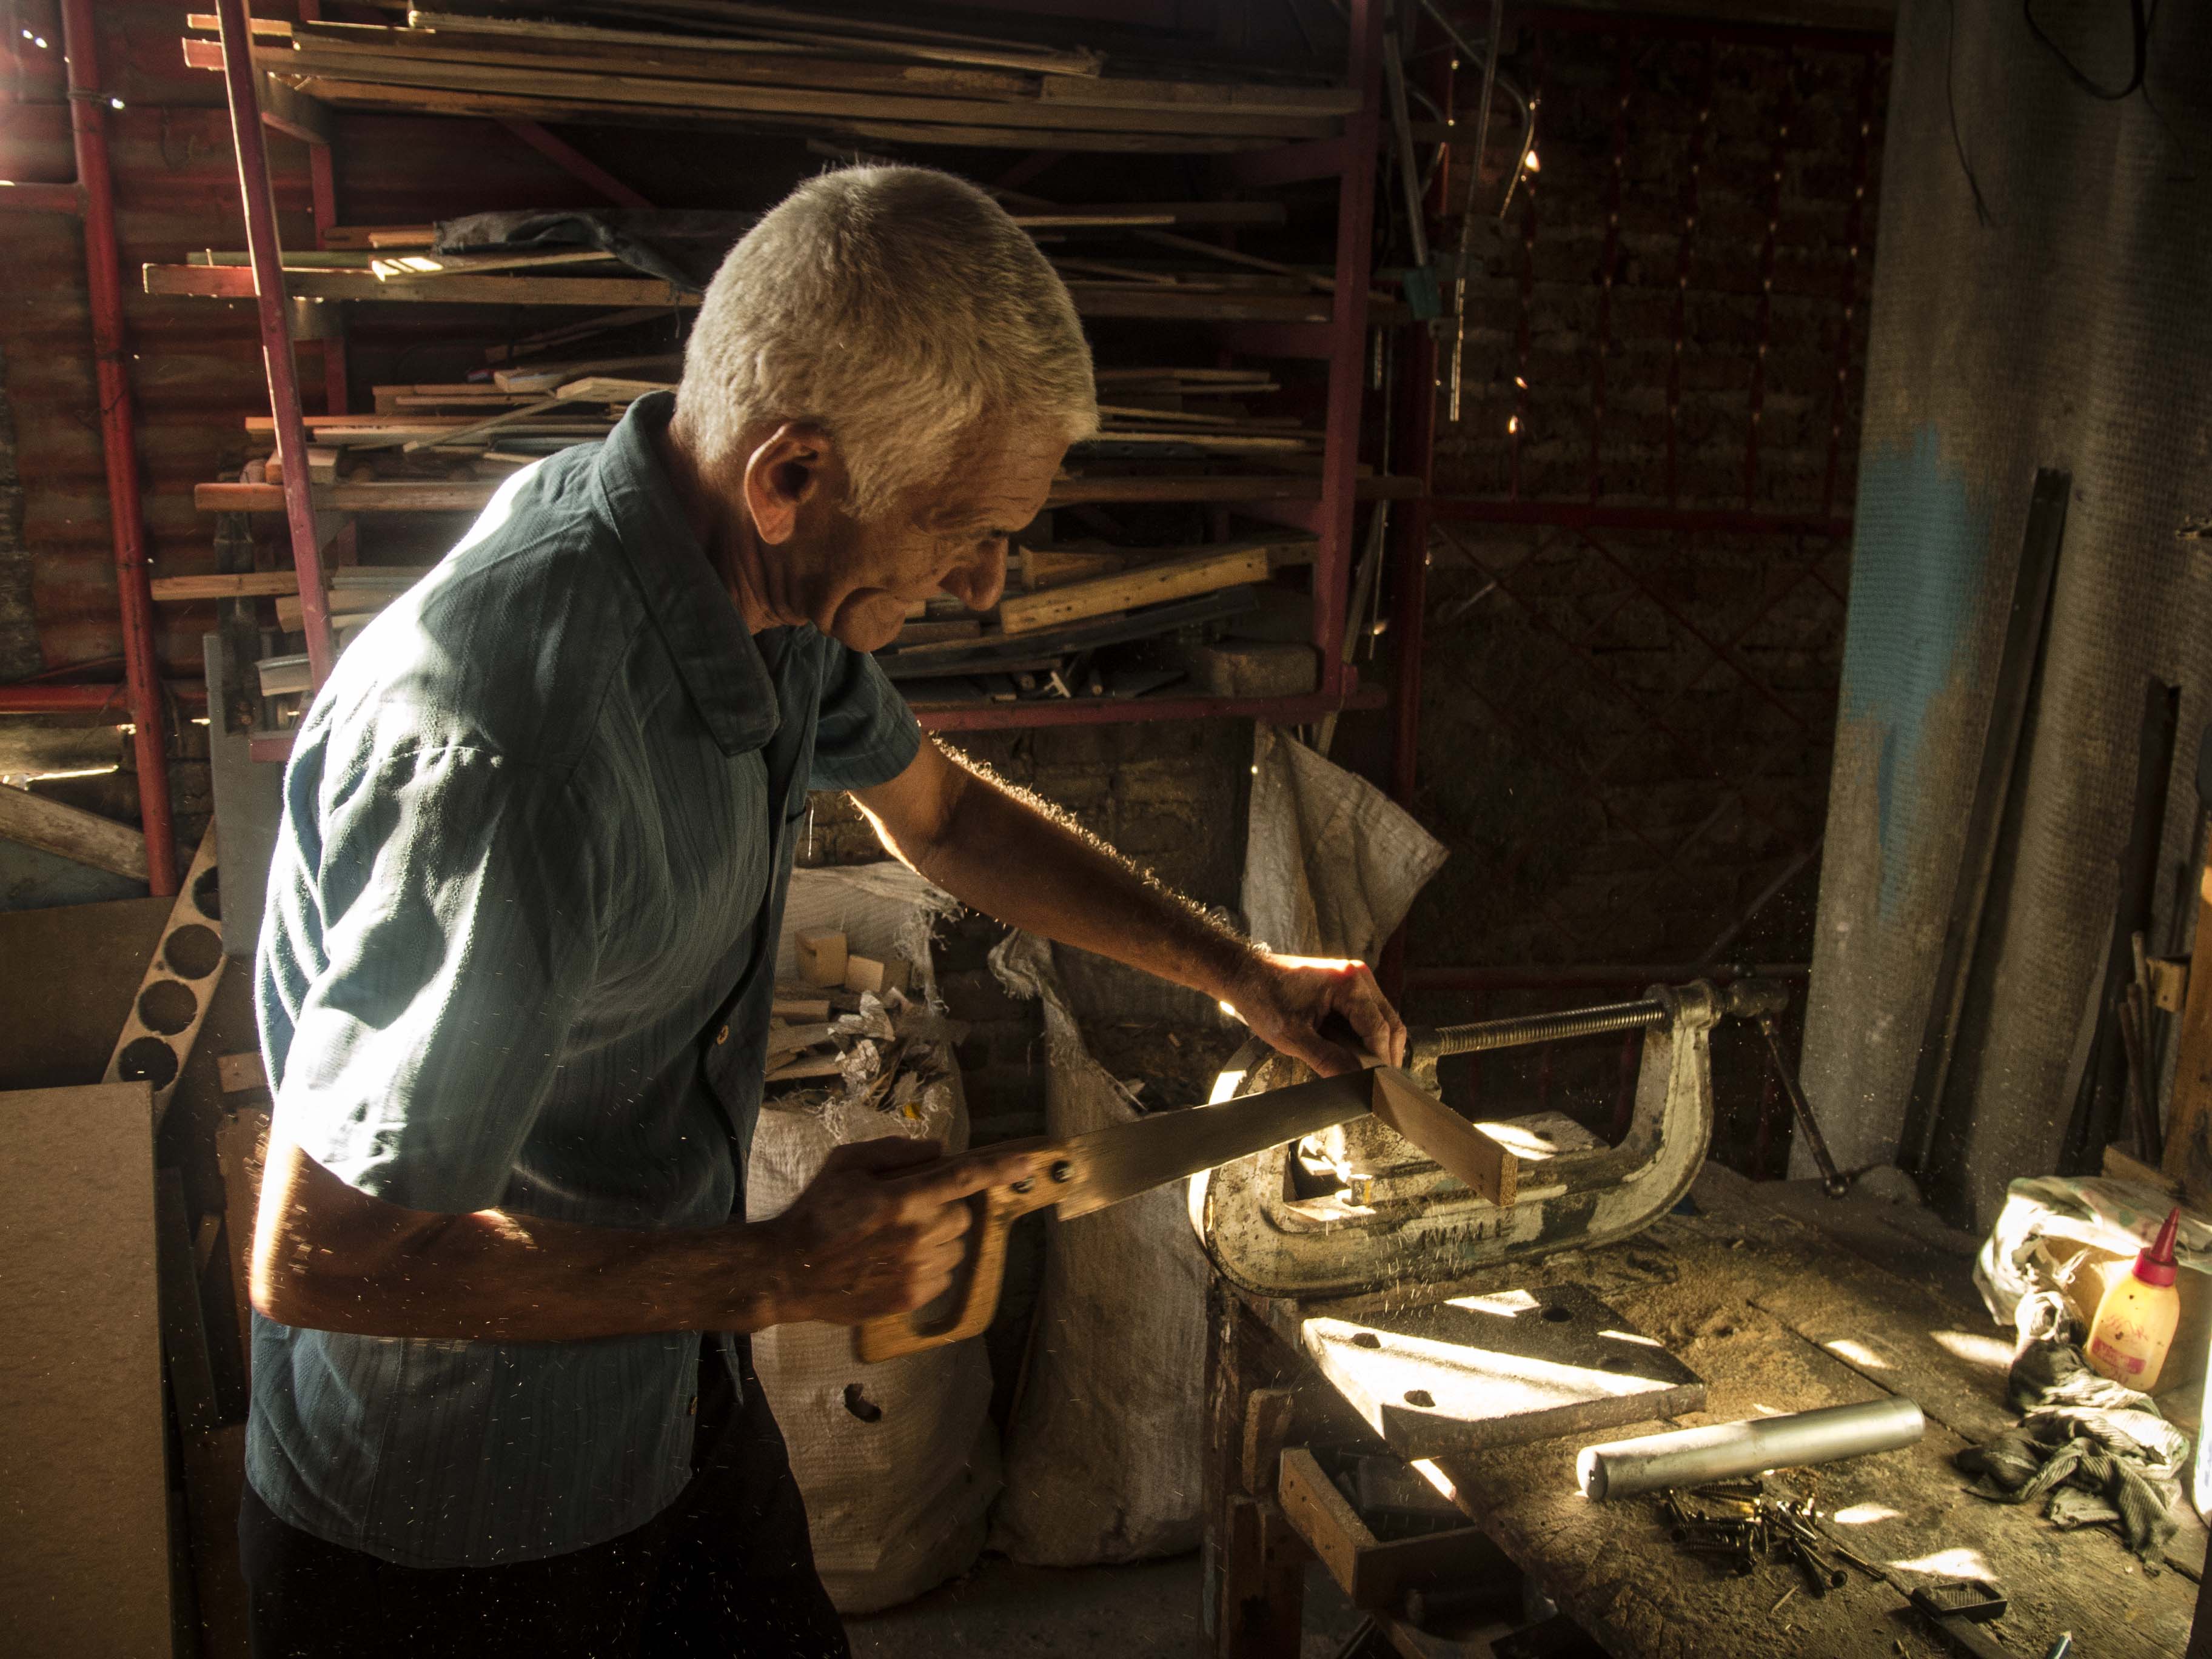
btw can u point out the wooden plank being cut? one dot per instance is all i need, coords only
(1203, 572)
(84, 1533)
(70, 832)
(1464, 1148)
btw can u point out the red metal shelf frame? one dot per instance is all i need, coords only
(1342, 343)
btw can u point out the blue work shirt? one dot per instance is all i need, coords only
(518, 953)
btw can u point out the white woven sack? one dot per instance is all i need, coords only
(1102, 1452)
(895, 1505)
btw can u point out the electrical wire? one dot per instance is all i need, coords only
(2139, 15)
(1951, 104)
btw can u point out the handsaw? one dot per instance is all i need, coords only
(1088, 1172)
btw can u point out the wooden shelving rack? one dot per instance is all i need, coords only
(1333, 327)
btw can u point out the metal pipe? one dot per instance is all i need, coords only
(118, 442)
(239, 84)
(41, 699)
(1692, 1457)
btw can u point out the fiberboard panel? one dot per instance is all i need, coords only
(84, 1528)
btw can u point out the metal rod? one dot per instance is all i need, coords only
(241, 80)
(118, 442)
(1520, 1030)
(1832, 1183)
(1595, 975)
(1691, 1457)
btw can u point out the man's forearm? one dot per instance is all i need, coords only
(1011, 859)
(334, 1258)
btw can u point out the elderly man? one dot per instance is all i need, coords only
(514, 981)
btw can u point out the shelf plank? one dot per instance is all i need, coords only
(433, 100)
(1202, 572)
(1105, 300)
(306, 63)
(473, 495)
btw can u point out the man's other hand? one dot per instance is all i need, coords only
(1289, 1000)
(881, 1229)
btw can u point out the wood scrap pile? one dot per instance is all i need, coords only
(851, 1030)
(1091, 619)
(513, 416)
(715, 61)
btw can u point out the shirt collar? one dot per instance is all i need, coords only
(715, 654)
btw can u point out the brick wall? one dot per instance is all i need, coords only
(1625, 734)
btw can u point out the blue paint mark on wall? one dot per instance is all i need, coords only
(1917, 566)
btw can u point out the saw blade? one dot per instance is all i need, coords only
(1107, 1165)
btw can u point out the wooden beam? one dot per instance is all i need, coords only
(827, 31)
(1203, 572)
(240, 584)
(1120, 300)
(236, 283)
(71, 833)
(284, 108)
(433, 100)
(669, 58)
(550, 82)
(474, 495)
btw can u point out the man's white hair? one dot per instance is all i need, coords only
(899, 308)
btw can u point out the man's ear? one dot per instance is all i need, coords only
(797, 464)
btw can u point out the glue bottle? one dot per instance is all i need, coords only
(2135, 1320)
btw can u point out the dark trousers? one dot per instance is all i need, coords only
(726, 1570)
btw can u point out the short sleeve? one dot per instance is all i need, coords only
(864, 734)
(457, 893)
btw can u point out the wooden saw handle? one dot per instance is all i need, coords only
(974, 1297)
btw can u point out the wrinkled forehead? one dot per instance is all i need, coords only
(999, 484)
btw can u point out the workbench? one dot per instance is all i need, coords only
(1783, 1301)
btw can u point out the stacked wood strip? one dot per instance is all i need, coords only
(868, 81)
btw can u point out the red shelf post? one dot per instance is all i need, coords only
(119, 436)
(240, 80)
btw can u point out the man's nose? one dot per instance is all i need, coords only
(978, 582)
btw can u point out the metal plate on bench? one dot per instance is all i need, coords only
(1479, 1371)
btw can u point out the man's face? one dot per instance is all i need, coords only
(952, 536)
